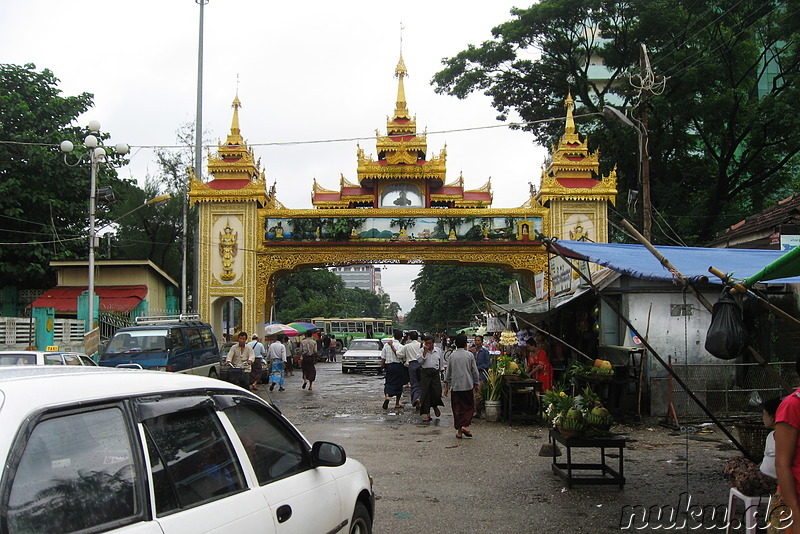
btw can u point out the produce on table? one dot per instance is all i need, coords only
(594, 413)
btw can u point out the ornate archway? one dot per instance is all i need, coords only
(399, 210)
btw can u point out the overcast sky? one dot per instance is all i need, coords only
(306, 71)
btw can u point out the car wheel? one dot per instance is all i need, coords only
(213, 373)
(362, 522)
(345, 371)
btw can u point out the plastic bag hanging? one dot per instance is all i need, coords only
(726, 337)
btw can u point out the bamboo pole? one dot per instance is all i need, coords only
(553, 250)
(685, 281)
(741, 288)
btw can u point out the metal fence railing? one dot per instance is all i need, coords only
(728, 389)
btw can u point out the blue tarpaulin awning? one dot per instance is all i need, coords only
(691, 262)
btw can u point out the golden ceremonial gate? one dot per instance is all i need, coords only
(400, 209)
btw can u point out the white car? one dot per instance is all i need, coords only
(40, 357)
(362, 355)
(122, 450)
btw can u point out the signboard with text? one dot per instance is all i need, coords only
(564, 276)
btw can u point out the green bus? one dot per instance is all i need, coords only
(347, 329)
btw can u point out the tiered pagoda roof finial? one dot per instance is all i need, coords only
(573, 172)
(401, 108)
(569, 128)
(235, 137)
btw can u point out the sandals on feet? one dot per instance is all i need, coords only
(466, 432)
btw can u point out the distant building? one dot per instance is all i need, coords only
(367, 277)
(776, 228)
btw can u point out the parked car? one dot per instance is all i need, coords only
(362, 355)
(179, 343)
(98, 449)
(39, 357)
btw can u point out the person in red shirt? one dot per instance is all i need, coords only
(538, 365)
(785, 508)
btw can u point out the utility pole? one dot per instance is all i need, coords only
(198, 171)
(644, 149)
(647, 87)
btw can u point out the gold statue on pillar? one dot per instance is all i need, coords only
(228, 247)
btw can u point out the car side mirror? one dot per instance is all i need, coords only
(326, 454)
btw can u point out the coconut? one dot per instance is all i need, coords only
(599, 417)
(573, 419)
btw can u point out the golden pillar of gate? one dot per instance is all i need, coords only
(399, 209)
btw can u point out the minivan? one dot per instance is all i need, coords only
(177, 343)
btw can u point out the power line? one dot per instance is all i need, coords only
(340, 139)
(704, 56)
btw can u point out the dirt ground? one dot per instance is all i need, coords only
(428, 481)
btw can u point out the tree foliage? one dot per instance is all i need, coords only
(155, 232)
(321, 293)
(43, 202)
(723, 136)
(449, 295)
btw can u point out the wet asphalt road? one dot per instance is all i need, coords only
(428, 481)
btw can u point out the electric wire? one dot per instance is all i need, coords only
(343, 139)
(692, 37)
(705, 56)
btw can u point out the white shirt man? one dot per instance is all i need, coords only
(257, 346)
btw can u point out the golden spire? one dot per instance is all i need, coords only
(235, 137)
(569, 103)
(401, 108)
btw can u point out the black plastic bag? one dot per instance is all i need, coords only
(726, 337)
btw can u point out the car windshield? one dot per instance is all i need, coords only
(138, 341)
(18, 359)
(364, 344)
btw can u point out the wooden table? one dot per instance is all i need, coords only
(600, 473)
(519, 400)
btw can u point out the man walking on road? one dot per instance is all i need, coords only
(462, 377)
(408, 353)
(308, 351)
(277, 358)
(258, 363)
(432, 364)
(393, 370)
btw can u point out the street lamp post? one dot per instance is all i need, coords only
(95, 154)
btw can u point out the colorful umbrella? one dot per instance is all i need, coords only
(273, 329)
(303, 327)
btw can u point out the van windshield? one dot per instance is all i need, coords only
(151, 340)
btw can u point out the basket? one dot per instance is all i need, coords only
(511, 377)
(234, 375)
(601, 377)
(753, 436)
(569, 432)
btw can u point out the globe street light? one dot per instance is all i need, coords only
(95, 154)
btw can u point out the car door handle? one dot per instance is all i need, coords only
(284, 513)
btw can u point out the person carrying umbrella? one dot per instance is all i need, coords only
(277, 358)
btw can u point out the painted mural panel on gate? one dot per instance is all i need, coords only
(471, 228)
